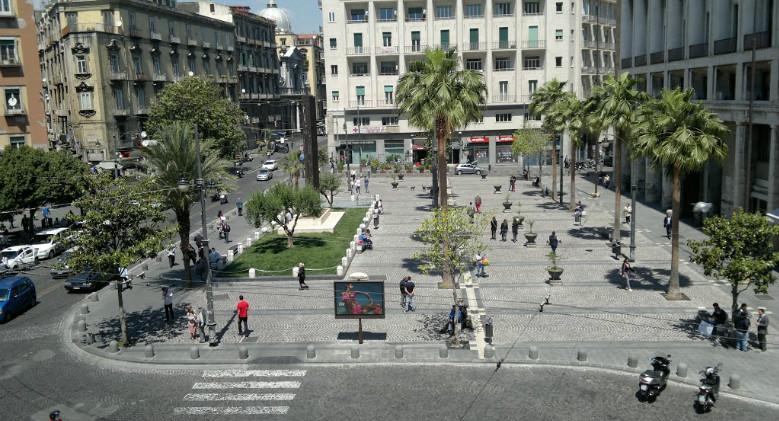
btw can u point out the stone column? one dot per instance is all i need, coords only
(492, 150)
(773, 171)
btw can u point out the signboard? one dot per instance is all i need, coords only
(359, 300)
(479, 139)
(506, 138)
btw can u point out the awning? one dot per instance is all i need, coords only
(773, 216)
(360, 91)
(388, 88)
(505, 139)
(479, 139)
(418, 147)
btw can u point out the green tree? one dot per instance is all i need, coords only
(172, 158)
(529, 142)
(574, 113)
(547, 101)
(292, 165)
(594, 126)
(439, 97)
(329, 184)
(676, 133)
(273, 205)
(122, 225)
(197, 101)
(739, 249)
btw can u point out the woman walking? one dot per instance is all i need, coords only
(477, 202)
(625, 272)
(514, 229)
(191, 323)
(504, 230)
(553, 242)
(302, 276)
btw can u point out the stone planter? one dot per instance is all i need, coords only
(496, 186)
(506, 206)
(531, 239)
(394, 184)
(554, 273)
(483, 176)
(521, 220)
(400, 176)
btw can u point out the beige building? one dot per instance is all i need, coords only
(21, 112)
(105, 61)
(311, 46)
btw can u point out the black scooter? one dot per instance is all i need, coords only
(652, 382)
(708, 391)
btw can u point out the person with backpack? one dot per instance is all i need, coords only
(493, 227)
(403, 291)
(410, 305)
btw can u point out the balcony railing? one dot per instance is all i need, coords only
(475, 46)
(725, 46)
(699, 50)
(504, 69)
(504, 99)
(627, 62)
(357, 51)
(657, 57)
(192, 42)
(387, 72)
(504, 45)
(366, 103)
(174, 39)
(760, 39)
(10, 62)
(358, 20)
(415, 18)
(409, 49)
(474, 16)
(15, 111)
(121, 111)
(155, 35)
(158, 77)
(639, 61)
(533, 44)
(532, 67)
(118, 75)
(391, 50)
(391, 19)
(293, 91)
(676, 54)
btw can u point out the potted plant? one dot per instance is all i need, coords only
(374, 163)
(399, 171)
(394, 182)
(340, 166)
(530, 236)
(554, 270)
(408, 167)
(497, 188)
(506, 204)
(483, 175)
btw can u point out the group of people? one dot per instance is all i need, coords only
(223, 228)
(742, 321)
(354, 183)
(457, 314)
(407, 294)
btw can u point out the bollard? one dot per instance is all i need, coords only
(310, 352)
(349, 253)
(632, 361)
(489, 351)
(533, 353)
(352, 245)
(256, 235)
(252, 273)
(443, 351)
(94, 297)
(248, 242)
(377, 197)
(230, 256)
(681, 370)
(113, 347)
(82, 326)
(398, 351)
(240, 248)
(359, 231)
(362, 226)
(356, 238)
(194, 352)
(84, 309)
(295, 271)
(581, 355)
(355, 352)
(149, 351)
(735, 381)
(344, 262)
(339, 270)
(243, 352)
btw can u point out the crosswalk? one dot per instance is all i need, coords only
(242, 392)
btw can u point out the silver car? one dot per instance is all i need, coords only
(264, 175)
(471, 168)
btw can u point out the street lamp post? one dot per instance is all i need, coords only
(560, 160)
(633, 190)
(200, 184)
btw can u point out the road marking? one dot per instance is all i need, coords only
(246, 385)
(253, 373)
(232, 410)
(191, 397)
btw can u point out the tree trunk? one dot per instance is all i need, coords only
(122, 317)
(289, 241)
(734, 298)
(182, 217)
(540, 165)
(674, 292)
(441, 140)
(572, 170)
(554, 168)
(616, 235)
(597, 164)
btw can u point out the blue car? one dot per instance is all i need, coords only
(17, 294)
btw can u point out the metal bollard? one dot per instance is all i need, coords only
(632, 361)
(113, 347)
(252, 273)
(243, 352)
(533, 353)
(581, 355)
(355, 352)
(82, 326)
(443, 351)
(489, 351)
(149, 351)
(84, 309)
(194, 352)
(735, 381)
(398, 351)
(310, 352)
(681, 370)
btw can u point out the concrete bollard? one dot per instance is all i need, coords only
(344, 262)
(256, 235)
(349, 254)
(295, 271)
(84, 309)
(93, 297)
(240, 248)
(339, 270)
(230, 256)
(194, 352)
(149, 351)
(377, 197)
(352, 245)
(355, 352)
(252, 273)
(581, 355)
(243, 352)
(681, 370)
(443, 351)
(356, 238)
(533, 353)
(248, 242)
(362, 226)
(113, 347)
(398, 351)
(359, 231)
(632, 361)
(82, 326)
(489, 351)
(735, 381)
(310, 352)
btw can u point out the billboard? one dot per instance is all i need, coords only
(359, 300)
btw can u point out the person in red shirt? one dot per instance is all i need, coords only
(243, 315)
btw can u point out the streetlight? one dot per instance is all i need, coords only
(633, 190)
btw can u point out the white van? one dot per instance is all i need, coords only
(50, 243)
(19, 257)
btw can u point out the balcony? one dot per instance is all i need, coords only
(725, 46)
(699, 50)
(504, 99)
(505, 69)
(206, 44)
(293, 91)
(387, 51)
(415, 18)
(91, 27)
(627, 62)
(357, 51)
(155, 35)
(388, 72)
(355, 19)
(504, 45)
(135, 32)
(118, 75)
(676, 54)
(174, 39)
(657, 57)
(10, 62)
(192, 42)
(366, 103)
(142, 110)
(639, 61)
(121, 112)
(160, 77)
(475, 46)
(15, 112)
(760, 40)
(416, 49)
(533, 44)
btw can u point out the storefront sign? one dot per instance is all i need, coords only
(505, 138)
(479, 139)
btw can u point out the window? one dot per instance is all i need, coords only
(191, 64)
(174, 64)
(444, 39)
(532, 85)
(333, 43)
(113, 61)
(387, 14)
(85, 101)
(331, 16)
(172, 29)
(17, 141)
(558, 34)
(336, 96)
(532, 63)
(389, 95)
(415, 41)
(140, 95)
(558, 7)
(72, 19)
(334, 69)
(363, 121)
(137, 65)
(473, 64)
(503, 9)
(503, 37)
(359, 15)
(5, 6)
(389, 121)
(357, 42)
(13, 100)
(386, 39)
(502, 63)
(360, 94)
(153, 23)
(444, 12)
(8, 54)
(558, 61)
(108, 19)
(359, 69)
(119, 98)
(531, 8)
(131, 18)
(415, 14)
(503, 89)
(388, 68)
(473, 11)
(503, 117)
(81, 64)
(155, 62)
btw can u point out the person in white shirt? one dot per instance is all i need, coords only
(167, 297)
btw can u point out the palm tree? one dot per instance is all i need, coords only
(594, 126)
(574, 114)
(546, 101)
(438, 97)
(683, 136)
(292, 166)
(617, 109)
(174, 158)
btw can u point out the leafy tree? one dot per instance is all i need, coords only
(676, 133)
(530, 141)
(292, 165)
(329, 184)
(594, 126)
(196, 101)
(739, 249)
(175, 157)
(576, 121)
(547, 101)
(121, 226)
(438, 97)
(273, 205)
(452, 240)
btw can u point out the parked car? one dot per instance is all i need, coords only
(86, 281)
(264, 175)
(50, 243)
(17, 294)
(62, 268)
(19, 257)
(469, 168)
(270, 165)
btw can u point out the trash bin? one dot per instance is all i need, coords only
(616, 248)
(488, 330)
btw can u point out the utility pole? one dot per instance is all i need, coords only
(200, 183)
(633, 190)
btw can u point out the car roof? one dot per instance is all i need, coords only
(52, 231)
(264, 170)
(11, 281)
(15, 248)
(270, 160)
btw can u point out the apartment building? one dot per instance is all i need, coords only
(21, 111)
(104, 62)
(727, 51)
(517, 44)
(311, 46)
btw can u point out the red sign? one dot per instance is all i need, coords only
(479, 139)
(506, 138)
(418, 147)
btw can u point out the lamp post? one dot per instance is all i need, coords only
(633, 190)
(560, 161)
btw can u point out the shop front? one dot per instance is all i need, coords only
(477, 148)
(503, 152)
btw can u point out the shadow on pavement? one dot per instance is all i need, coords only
(147, 326)
(646, 279)
(589, 233)
(368, 336)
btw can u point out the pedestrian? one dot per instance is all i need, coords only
(511, 183)
(172, 255)
(493, 227)
(504, 229)
(514, 229)
(45, 220)
(25, 223)
(625, 272)
(720, 318)
(202, 316)
(477, 202)
(452, 319)
(577, 216)
(239, 206)
(553, 242)
(302, 276)
(365, 181)
(479, 260)
(463, 309)
(243, 315)
(221, 216)
(375, 218)
(628, 211)
(167, 299)
(354, 176)
(606, 181)
(357, 188)
(742, 328)
(471, 211)
(226, 232)
(410, 306)
(762, 327)
(191, 323)
(667, 222)
(403, 291)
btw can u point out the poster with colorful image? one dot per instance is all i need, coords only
(359, 300)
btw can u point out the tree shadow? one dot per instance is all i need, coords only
(534, 193)
(690, 328)
(366, 335)
(550, 206)
(277, 245)
(411, 265)
(424, 208)
(146, 326)
(645, 279)
(589, 233)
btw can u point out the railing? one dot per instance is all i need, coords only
(504, 99)
(627, 62)
(15, 111)
(699, 50)
(536, 13)
(358, 20)
(474, 16)
(174, 39)
(639, 61)
(504, 45)
(502, 15)
(533, 44)
(387, 50)
(357, 51)
(160, 77)
(206, 44)
(532, 67)
(676, 54)
(118, 75)
(415, 18)
(504, 69)
(416, 49)
(475, 46)
(393, 72)
(10, 62)
(366, 103)
(120, 111)
(192, 42)
(725, 46)
(392, 19)
(292, 91)
(761, 40)
(657, 57)
(142, 110)
(452, 17)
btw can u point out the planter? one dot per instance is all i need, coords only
(554, 273)
(497, 188)
(400, 176)
(531, 239)
(506, 206)
(374, 169)
(483, 176)
(521, 220)
(394, 184)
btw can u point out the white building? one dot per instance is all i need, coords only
(707, 45)
(517, 44)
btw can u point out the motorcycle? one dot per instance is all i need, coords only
(652, 382)
(708, 391)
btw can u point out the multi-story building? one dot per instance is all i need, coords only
(311, 46)
(21, 111)
(727, 51)
(517, 44)
(105, 61)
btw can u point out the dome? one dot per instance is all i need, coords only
(280, 16)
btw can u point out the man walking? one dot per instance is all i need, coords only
(239, 206)
(410, 306)
(553, 242)
(45, 221)
(243, 315)
(667, 221)
(167, 298)
(403, 292)
(365, 180)
(493, 227)
(504, 230)
(226, 232)
(742, 328)
(720, 318)
(514, 229)
(762, 327)
(172, 255)
(202, 317)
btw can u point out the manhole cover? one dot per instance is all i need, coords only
(220, 297)
(764, 297)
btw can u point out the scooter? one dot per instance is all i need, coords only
(652, 382)
(708, 391)
(222, 198)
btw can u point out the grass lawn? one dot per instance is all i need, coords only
(270, 255)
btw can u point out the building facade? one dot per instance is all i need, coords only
(517, 44)
(727, 51)
(21, 112)
(105, 61)
(311, 46)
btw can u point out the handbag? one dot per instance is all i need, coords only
(485, 261)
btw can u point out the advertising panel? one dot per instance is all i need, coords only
(359, 300)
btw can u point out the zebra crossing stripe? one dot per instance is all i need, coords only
(245, 385)
(253, 373)
(195, 397)
(231, 410)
